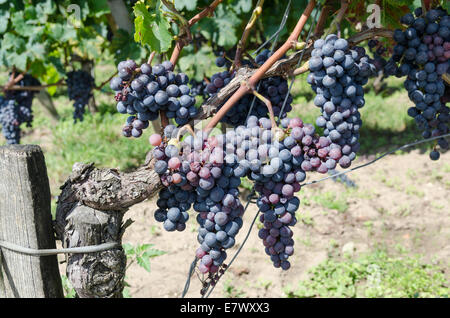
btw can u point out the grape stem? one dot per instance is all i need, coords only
(338, 19)
(244, 89)
(302, 69)
(446, 78)
(282, 67)
(268, 105)
(105, 82)
(324, 14)
(151, 57)
(242, 42)
(425, 4)
(182, 41)
(13, 79)
(164, 119)
(183, 129)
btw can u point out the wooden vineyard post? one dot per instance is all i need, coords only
(25, 220)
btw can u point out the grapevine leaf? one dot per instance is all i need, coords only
(18, 60)
(99, 7)
(4, 20)
(243, 6)
(400, 3)
(11, 41)
(199, 64)
(189, 5)
(152, 28)
(37, 50)
(123, 48)
(222, 29)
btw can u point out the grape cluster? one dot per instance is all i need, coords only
(145, 91)
(272, 159)
(199, 88)
(194, 172)
(10, 120)
(337, 76)
(177, 197)
(79, 88)
(273, 88)
(24, 98)
(15, 109)
(276, 159)
(423, 52)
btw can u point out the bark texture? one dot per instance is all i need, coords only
(25, 220)
(90, 212)
(95, 275)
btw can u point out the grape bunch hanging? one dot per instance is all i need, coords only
(197, 172)
(144, 92)
(79, 88)
(423, 56)
(338, 74)
(15, 109)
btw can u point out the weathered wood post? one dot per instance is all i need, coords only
(25, 220)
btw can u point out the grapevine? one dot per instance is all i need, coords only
(196, 170)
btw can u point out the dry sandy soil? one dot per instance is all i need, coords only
(401, 200)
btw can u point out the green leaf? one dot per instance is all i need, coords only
(189, 5)
(37, 50)
(152, 28)
(222, 29)
(128, 249)
(124, 47)
(153, 253)
(243, 6)
(18, 60)
(45, 7)
(99, 7)
(4, 20)
(140, 249)
(11, 41)
(199, 64)
(144, 262)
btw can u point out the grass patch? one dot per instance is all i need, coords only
(373, 275)
(332, 201)
(97, 139)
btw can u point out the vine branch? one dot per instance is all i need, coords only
(241, 45)
(31, 88)
(253, 80)
(182, 41)
(338, 19)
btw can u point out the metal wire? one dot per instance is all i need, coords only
(283, 22)
(249, 200)
(188, 280)
(376, 159)
(46, 252)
